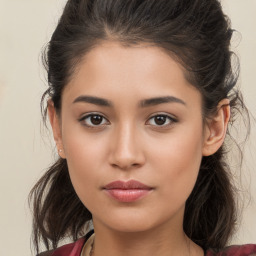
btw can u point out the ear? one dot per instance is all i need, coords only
(56, 127)
(216, 128)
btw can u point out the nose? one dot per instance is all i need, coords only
(126, 149)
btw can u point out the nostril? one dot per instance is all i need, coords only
(126, 166)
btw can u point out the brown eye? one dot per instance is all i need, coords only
(161, 120)
(93, 120)
(96, 120)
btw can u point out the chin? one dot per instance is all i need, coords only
(131, 226)
(132, 222)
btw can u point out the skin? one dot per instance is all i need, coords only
(129, 143)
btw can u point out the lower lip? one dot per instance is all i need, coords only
(127, 195)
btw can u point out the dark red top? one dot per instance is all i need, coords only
(74, 249)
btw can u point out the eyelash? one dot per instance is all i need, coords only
(82, 120)
(172, 120)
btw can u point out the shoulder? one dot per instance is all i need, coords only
(234, 250)
(73, 249)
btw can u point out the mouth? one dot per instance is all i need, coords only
(127, 191)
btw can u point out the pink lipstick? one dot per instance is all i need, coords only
(127, 191)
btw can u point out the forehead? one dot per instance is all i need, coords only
(140, 60)
(145, 71)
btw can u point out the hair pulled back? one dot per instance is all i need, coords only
(197, 34)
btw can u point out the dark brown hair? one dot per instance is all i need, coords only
(197, 34)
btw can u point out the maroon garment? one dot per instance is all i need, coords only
(235, 250)
(75, 249)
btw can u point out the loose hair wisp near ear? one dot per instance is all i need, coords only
(194, 32)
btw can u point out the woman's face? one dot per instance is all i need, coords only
(128, 114)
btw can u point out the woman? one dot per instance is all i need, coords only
(140, 98)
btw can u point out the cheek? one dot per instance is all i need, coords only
(178, 160)
(81, 146)
(84, 156)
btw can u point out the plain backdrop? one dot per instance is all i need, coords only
(26, 152)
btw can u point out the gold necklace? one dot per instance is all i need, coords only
(92, 249)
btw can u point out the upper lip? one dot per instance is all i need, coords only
(126, 185)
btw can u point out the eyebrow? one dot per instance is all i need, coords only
(144, 103)
(93, 100)
(160, 100)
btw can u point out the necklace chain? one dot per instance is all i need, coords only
(92, 249)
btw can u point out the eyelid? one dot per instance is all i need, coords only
(87, 115)
(172, 119)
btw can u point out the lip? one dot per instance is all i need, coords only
(127, 191)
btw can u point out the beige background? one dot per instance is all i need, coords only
(25, 153)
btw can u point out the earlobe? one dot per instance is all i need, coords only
(56, 128)
(216, 128)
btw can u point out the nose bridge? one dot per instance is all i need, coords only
(126, 151)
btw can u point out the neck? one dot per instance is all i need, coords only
(157, 242)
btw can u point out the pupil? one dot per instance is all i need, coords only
(160, 120)
(96, 120)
